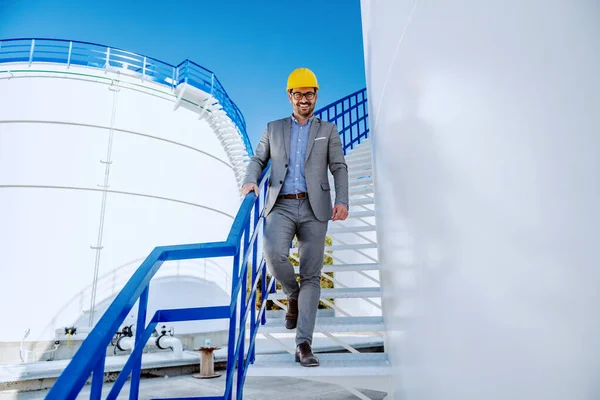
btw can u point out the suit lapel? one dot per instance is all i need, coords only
(287, 134)
(314, 129)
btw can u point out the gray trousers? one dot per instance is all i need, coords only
(286, 219)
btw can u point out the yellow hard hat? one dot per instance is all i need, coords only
(302, 77)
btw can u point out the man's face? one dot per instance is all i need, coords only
(303, 101)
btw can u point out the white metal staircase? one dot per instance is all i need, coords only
(356, 297)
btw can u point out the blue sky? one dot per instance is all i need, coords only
(251, 46)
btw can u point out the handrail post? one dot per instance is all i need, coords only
(98, 379)
(69, 56)
(107, 58)
(139, 331)
(232, 324)
(364, 104)
(187, 67)
(255, 260)
(243, 289)
(350, 122)
(31, 51)
(263, 289)
(144, 69)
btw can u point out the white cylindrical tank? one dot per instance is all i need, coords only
(487, 167)
(98, 165)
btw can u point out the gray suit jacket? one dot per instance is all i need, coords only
(320, 154)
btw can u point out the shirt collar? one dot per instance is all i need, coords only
(308, 121)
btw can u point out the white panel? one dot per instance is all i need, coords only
(54, 99)
(135, 225)
(47, 154)
(162, 169)
(46, 256)
(485, 123)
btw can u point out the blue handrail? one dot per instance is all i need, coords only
(242, 244)
(69, 52)
(351, 115)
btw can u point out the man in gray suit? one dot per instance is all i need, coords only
(301, 148)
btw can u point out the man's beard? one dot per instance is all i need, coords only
(304, 112)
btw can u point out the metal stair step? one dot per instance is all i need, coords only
(331, 324)
(361, 214)
(341, 365)
(362, 202)
(351, 229)
(339, 247)
(357, 165)
(361, 181)
(366, 180)
(348, 267)
(361, 148)
(353, 191)
(360, 172)
(338, 293)
(359, 162)
(357, 152)
(363, 142)
(359, 246)
(351, 267)
(358, 155)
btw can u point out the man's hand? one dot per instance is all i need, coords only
(340, 213)
(248, 187)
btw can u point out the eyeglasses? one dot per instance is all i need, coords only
(300, 95)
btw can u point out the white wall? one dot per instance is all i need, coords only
(486, 143)
(46, 234)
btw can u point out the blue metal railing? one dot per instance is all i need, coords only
(242, 244)
(107, 58)
(351, 115)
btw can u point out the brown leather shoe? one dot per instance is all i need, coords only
(305, 356)
(291, 317)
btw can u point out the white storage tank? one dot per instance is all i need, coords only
(104, 155)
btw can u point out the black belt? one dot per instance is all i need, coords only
(297, 196)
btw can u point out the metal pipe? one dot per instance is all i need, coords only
(125, 343)
(170, 342)
(162, 342)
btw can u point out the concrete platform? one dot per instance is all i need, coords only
(41, 375)
(256, 388)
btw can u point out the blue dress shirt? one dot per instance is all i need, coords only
(294, 181)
